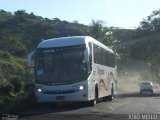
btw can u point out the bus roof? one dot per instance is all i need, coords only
(69, 41)
(62, 41)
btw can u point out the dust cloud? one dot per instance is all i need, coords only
(132, 74)
(128, 83)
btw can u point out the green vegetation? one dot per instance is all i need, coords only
(20, 32)
(12, 70)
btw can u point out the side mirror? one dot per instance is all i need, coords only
(30, 60)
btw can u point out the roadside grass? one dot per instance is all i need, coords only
(13, 80)
(17, 102)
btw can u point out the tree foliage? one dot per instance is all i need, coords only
(150, 25)
(103, 34)
(146, 48)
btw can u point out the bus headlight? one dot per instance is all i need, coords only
(81, 87)
(39, 90)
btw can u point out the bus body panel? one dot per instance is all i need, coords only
(101, 76)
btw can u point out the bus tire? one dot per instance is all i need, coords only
(111, 97)
(94, 101)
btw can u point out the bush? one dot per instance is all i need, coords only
(6, 87)
(16, 82)
(4, 54)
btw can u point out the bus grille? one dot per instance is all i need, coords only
(59, 92)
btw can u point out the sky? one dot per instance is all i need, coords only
(117, 13)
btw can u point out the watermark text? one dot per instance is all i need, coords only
(142, 116)
(9, 117)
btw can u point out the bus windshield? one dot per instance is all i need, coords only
(62, 65)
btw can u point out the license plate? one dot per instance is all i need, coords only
(60, 97)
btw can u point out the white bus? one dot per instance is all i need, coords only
(73, 69)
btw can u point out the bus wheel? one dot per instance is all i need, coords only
(110, 97)
(94, 101)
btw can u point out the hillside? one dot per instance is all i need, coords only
(27, 30)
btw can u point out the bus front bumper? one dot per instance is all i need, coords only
(71, 97)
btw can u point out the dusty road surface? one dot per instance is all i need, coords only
(125, 106)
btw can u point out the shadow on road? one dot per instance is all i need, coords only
(43, 109)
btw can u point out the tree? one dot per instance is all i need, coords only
(103, 34)
(97, 31)
(150, 25)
